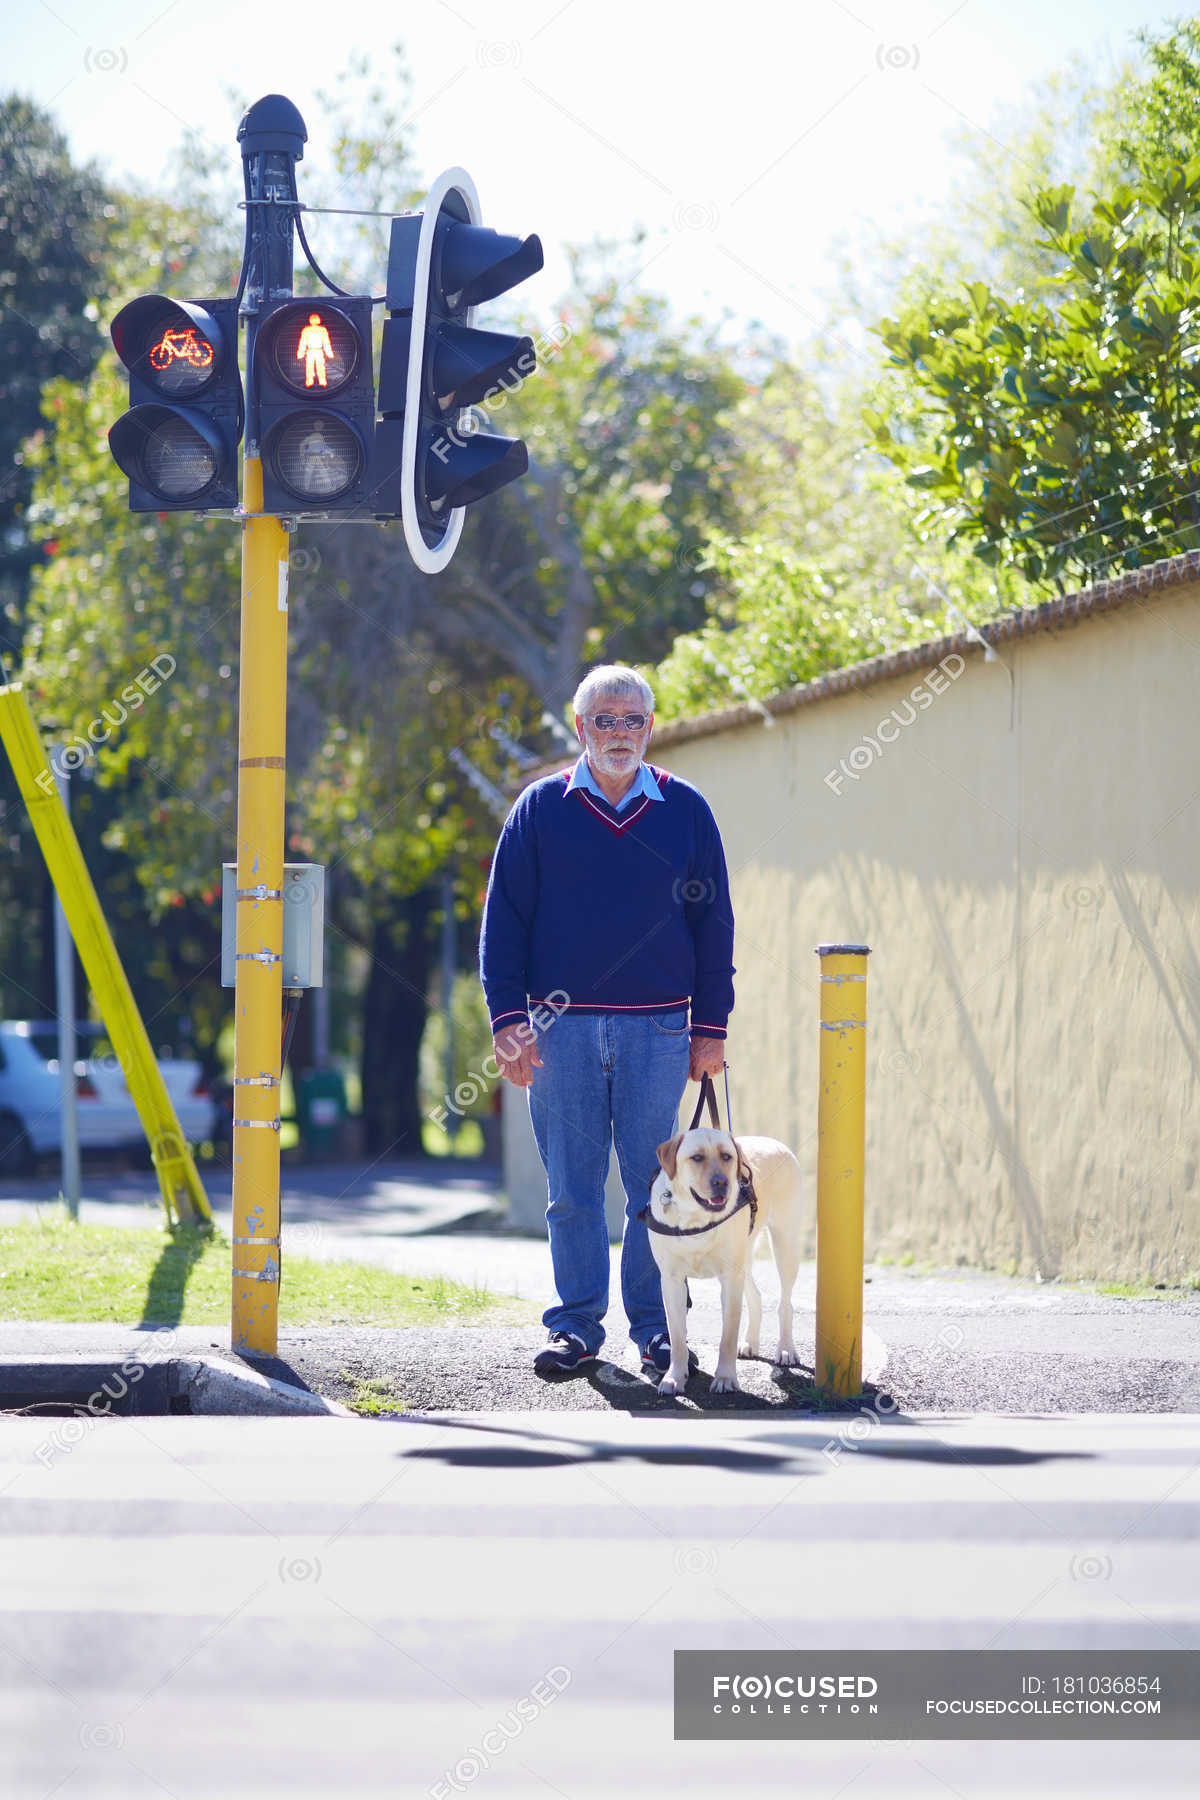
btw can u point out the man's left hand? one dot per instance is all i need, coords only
(707, 1057)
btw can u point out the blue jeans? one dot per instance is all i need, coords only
(606, 1078)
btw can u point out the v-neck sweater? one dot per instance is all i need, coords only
(592, 910)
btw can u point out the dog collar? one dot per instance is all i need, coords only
(747, 1197)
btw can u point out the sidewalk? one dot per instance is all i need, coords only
(948, 1340)
(954, 1341)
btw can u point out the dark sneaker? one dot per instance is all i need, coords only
(563, 1355)
(656, 1356)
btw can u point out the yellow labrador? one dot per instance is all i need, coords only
(708, 1205)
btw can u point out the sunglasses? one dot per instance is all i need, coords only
(610, 721)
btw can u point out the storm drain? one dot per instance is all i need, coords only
(127, 1387)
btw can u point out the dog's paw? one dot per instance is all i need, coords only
(747, 1350)
(787, 1358)
(725, 1385)
(668, 1388)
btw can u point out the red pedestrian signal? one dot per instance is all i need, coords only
(312, 376)
(315, 350)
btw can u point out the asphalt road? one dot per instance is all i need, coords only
(203, 1607)
(370, 1199)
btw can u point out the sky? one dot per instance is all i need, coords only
(745, 140)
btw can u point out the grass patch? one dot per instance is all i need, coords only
(375, 1397)
(1133, 1290)
(51, 1269)
(467, 1141)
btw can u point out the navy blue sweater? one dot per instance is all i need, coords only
(617, 911)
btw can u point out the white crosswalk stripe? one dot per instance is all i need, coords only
(208, 1607)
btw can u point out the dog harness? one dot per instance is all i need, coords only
(746, 1197)
(746, 1193)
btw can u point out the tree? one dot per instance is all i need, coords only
(1059, 433)
(830, 565)
(594, 554)
(54, 224)
(121, 596)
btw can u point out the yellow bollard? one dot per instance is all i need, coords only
(258, 991)
(182, 1190)
(841, 1144)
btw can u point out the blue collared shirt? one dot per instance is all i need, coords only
(643, 783)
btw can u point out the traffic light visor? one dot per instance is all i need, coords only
(478, 263)
(473, 468)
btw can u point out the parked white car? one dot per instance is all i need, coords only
(30, 1106)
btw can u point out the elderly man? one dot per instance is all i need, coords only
(609, 899)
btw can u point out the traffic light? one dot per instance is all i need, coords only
(429, 461)
(312, 372)
(178, 441)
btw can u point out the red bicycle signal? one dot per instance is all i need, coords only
(183, 346)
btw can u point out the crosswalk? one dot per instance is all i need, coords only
(212, 1608)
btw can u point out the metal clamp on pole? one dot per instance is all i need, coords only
(841, 1146)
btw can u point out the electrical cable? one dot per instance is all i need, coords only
(245, 269)
(319, 272)
(291, 1011)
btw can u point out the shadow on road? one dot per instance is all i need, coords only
(802, 1455)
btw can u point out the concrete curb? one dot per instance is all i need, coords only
(215, 1386)
(147, 1386)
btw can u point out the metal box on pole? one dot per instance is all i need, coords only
(303, 924)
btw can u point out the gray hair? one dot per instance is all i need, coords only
(611, 678)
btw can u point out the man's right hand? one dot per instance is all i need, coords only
(516, 1051)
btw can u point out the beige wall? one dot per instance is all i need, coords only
(1023, 861)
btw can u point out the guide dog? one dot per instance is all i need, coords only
(708, 1205)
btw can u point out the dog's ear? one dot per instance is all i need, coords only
(667, 1154)
(744, 1173)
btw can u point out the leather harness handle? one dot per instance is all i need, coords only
(746, 1194)
(707, 1093)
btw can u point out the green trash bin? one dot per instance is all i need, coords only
(321, 1110)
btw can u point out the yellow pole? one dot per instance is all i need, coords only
(841, 1143)
(182, 1190)
(258, 990)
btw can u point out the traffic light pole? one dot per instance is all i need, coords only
(258, 990)
(272, 137)
(313, 438)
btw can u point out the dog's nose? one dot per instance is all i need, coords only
(720, 1185)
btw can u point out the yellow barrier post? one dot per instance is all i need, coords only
(258, 991)
(841, 1144)
(182, 1191)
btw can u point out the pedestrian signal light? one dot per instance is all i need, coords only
(314, 348)
(313, 381)
(178, 441)
(315, 456)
